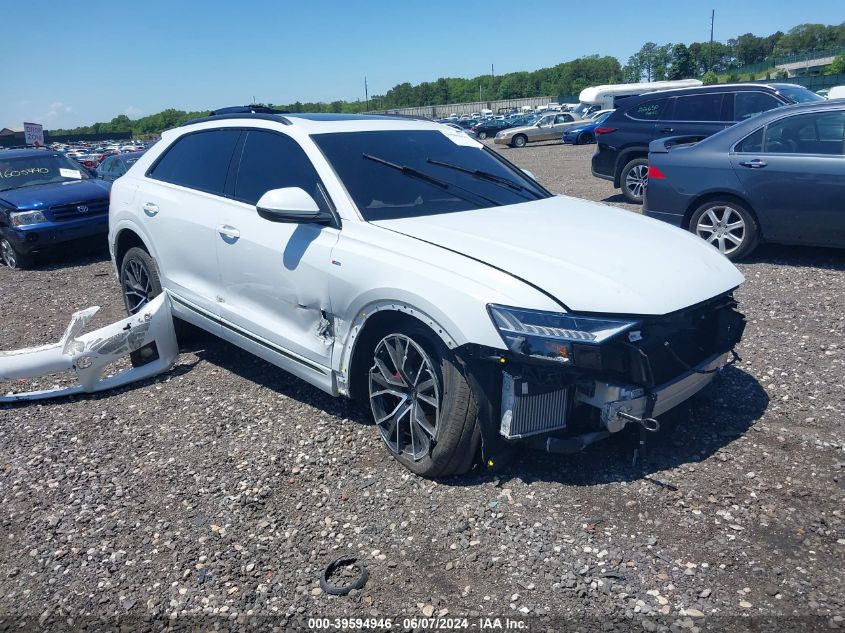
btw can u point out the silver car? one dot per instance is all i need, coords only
(548, 127)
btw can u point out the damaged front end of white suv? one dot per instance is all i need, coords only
(148, 336)
(568, 381)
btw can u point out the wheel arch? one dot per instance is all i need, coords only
(125, 239)
(370, 322)
(721, 195)
(626, 156)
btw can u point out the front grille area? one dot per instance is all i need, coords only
(529, 408)
(676, 343)
(72, 211)
(671, 344)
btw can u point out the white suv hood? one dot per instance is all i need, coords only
(591, 257)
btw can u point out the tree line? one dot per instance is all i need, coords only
(655, 62)
(652, 62)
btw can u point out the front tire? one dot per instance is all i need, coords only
(726, 225)
(140, 282)
(13, 258)
(422, 404)
(519, 141)
(139, 279)
(482, 136)
(583, 139)
(634, 180)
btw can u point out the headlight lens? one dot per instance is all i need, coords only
(550, 335)
(25, 218)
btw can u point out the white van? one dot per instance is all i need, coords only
(607, 97)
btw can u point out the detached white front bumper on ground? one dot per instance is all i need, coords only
(89, 355)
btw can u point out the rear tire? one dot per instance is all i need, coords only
(634, 180)
(728, 226)
(13, 258)
(421, 402)
(482, 136)
(519, 140)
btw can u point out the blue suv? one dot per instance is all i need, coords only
(46, 201)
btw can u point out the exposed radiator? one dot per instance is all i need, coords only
(529, 409)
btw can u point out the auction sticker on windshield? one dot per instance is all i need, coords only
(69, 173)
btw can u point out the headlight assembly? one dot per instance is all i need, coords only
(25, 218)
(551, 335)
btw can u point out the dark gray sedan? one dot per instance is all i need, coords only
(777, 177)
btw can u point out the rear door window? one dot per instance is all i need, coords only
(648, 110)
(701, 107)
(748, 104)
(199, 161)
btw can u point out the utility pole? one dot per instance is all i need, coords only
(366, 94)
(712, 20)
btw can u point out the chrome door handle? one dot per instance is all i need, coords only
(667, 130)
(228, 231)
(754, 164)
(150, 208)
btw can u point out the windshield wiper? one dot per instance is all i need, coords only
(486, 175)
(421, 175)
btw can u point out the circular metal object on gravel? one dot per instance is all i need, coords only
(342, 590)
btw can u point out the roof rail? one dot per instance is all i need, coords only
(249, 109)
(278, 118)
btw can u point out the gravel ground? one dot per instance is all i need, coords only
(214, 495)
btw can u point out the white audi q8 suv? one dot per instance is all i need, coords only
(402, 263)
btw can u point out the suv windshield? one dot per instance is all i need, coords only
(798, 94)
(411, 173)
(41, 169)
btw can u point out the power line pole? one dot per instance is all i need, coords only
(712, 20)
(366, 94)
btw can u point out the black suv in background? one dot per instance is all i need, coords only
(622, 140)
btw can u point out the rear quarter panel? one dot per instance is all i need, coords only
(691, 174)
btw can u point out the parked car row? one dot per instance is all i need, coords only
(623, 139)
(90, 156)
